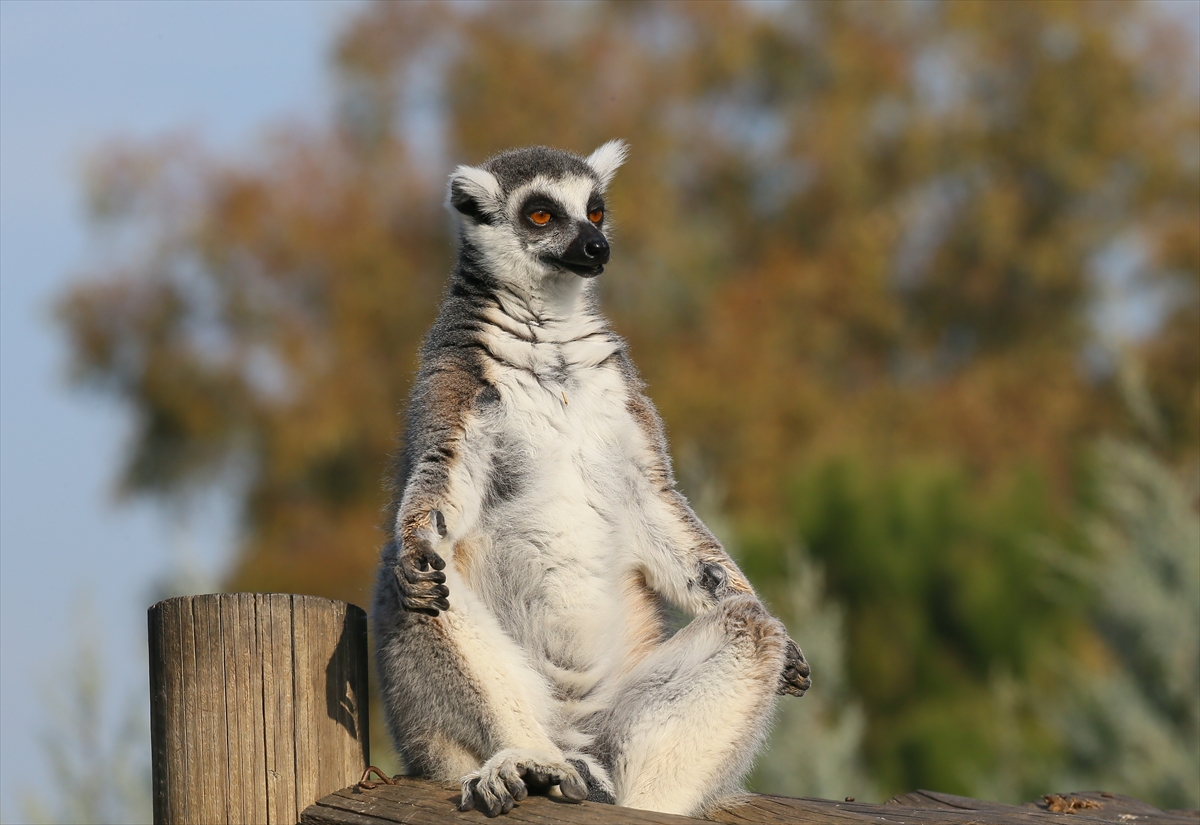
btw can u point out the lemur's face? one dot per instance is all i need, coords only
(561, 222)
(538, 212)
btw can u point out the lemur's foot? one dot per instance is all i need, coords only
(420, 582)
(795, 677)
(502, 781)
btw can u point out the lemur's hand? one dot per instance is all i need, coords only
(713, 580)
(794, 679)
(420, 582)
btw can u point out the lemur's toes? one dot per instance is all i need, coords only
(572, 787)
(793, 684)
(794, 680)
(496, 800)
(509, 774)
(467, 801)
(476, 795)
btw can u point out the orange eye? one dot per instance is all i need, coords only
(541, 217)
(596, 216)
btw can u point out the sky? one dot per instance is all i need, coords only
(77, 567)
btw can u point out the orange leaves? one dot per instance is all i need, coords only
(872, 228)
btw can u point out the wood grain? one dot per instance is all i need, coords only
(419, 802)
(258, 705)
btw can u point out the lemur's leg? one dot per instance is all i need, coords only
(685, 563)
(462, 703)
(680, 557)
(681, 727)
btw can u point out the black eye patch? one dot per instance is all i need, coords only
(542, 203)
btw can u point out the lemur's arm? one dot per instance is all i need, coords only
(681, 558)
(437, 496)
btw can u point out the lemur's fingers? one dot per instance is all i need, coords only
(421, 566)
(430, 587)
(713, 578)
(467, 801)
(536, 779)
(509, 774)
(505, 781)
(793, 684)
(794, 680)
(573, 789)
(795, 658)
(568, 780)
(506, 802)
(486, 797)
(421, 597)
(429, 606)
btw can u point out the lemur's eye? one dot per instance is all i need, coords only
(596, 215)
(541, 217)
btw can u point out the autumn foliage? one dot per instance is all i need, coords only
(888, 269)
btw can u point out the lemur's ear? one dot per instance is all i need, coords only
(476, 193)
(606, 160)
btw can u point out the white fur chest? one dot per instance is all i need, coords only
(555, 461)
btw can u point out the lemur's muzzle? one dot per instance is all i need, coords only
(588, 253)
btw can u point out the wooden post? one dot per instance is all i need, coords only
(258, 705)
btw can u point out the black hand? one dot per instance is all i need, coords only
(794, 680)
(419, 581)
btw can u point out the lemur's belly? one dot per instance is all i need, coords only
(551, 558)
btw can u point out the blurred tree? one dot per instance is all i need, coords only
(949, 604)
(96, 772)
(1138, 724)
(846, 229)
(816, 745)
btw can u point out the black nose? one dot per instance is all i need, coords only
(597, 249)
(588, 252)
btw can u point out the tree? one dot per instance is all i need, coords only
(1147, 574)
(846, 229)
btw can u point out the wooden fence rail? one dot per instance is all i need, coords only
(419, 802)
(258, 714)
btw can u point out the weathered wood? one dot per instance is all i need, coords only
(419, 802)
(258, 705)
(1085, 805)
(927, 807)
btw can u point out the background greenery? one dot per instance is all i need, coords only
(916, 287)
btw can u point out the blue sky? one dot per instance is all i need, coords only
(73, 74)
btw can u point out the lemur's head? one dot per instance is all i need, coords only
(536, 212)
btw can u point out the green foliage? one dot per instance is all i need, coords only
(945, 592)
(1135, 723)
(816, 744)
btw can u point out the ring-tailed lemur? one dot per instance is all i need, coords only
(536, 654)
